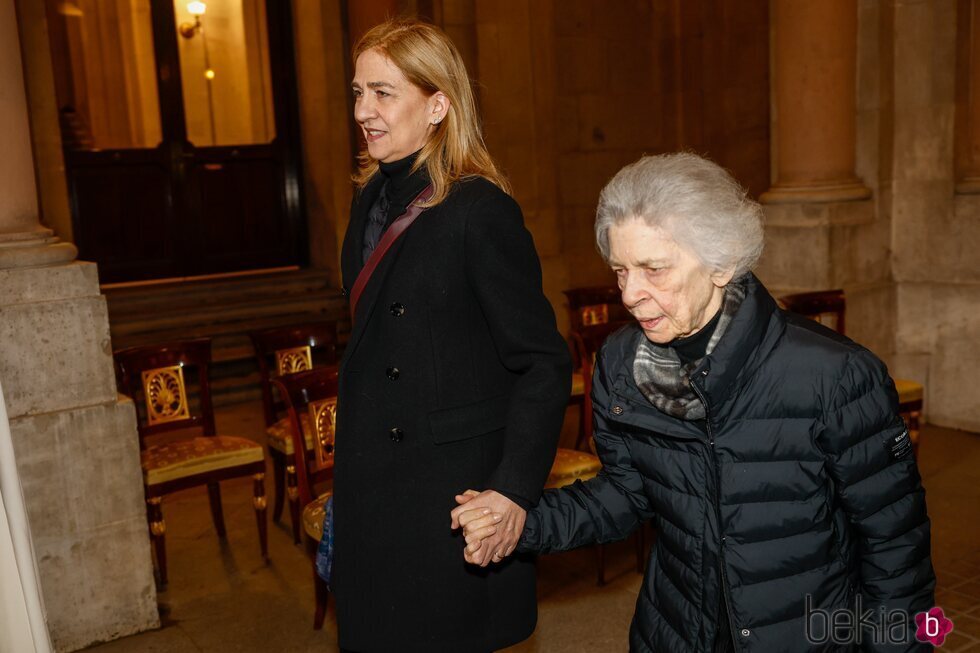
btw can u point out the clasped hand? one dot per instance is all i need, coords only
(491, 523)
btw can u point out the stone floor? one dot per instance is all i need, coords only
(222, 597)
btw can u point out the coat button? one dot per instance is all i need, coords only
(617, 410)
(393, 373)
(397, 309)
(397, 434)
(745, 632)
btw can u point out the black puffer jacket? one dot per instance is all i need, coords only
(804, 485)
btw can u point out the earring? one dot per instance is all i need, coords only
(437, 121)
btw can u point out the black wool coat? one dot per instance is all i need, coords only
(803, 485)
(455, 377)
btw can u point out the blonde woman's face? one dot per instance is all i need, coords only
(395, 116)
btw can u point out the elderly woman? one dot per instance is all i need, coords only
(766, 448)
(455, 375)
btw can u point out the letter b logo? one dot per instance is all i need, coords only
(932, 626)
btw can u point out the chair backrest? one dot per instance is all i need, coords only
(824, 306)
(286, 350)
(156, 378)
(587, 341)
(312, 393)
(594, 305)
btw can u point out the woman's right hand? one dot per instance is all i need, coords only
(477, 524)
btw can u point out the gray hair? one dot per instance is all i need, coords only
(695, 200)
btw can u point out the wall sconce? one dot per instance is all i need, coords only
(195, 9)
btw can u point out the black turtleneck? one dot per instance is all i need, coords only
(400, 187)
(695, 346)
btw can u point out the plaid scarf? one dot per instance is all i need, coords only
(665, 381)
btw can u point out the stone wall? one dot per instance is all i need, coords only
(936, 231)
(78, 455)
(571, 93)
(906, 257)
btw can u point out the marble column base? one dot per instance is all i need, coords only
(39, 247)
(843, 191)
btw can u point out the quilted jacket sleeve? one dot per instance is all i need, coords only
(605, 508)
(878, 486)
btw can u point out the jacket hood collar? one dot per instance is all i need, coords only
(752, 332)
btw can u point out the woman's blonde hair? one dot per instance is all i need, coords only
(428, 59)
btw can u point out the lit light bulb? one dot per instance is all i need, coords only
(209, 74)
(196, 8)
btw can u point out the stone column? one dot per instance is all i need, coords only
(822, 227)
(814, 92)
(74, 438)
(49, 158)
(23, 241)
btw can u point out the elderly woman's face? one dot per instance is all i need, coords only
(666, 288)
(396, 117)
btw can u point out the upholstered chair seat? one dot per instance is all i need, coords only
(313, 515)
(280, 438)
(571, 465)
(183, 458)
(909, 391)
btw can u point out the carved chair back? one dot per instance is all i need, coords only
(824, 306)
(287, 350)
(160, 380)
(587, 342)
(312, 394)
(594, 305)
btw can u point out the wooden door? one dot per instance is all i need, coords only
(180, 132)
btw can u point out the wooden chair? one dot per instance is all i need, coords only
(587, 341)
(312, 395)
(156, 378)
(280, 351)
(595, 305)
(589, 306)
(829, 308)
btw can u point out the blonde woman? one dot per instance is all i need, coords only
(455, 375)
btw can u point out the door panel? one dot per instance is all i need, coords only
(240, 227)
(135, 236)
(180, 134)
